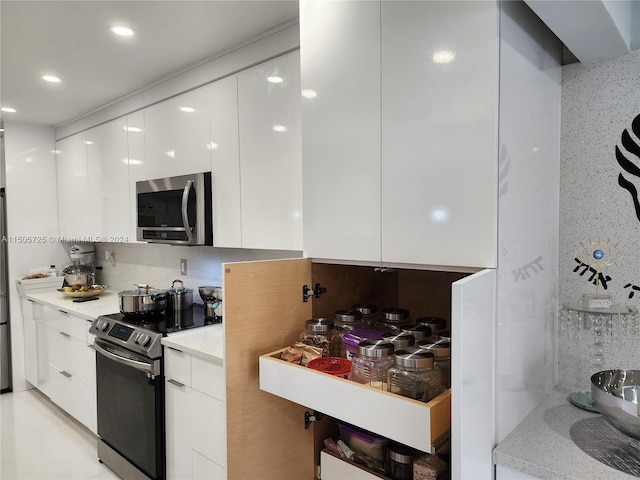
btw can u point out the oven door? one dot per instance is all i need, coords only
(130, 401)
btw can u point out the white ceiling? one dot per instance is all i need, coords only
(70, 39)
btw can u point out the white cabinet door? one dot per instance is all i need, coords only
(341, 119)
(179, 438)
(136, 159)
(209, 427)
(270, 154)
(74, 200)
(30, 350)
(439, 132)
(473, 313)
(108, 170)
(178, 135)
(225, 167)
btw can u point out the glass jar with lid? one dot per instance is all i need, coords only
(318, 333)
(419, 331)
(436, 324)
(345, 321)
(441, 357)
(400, 340)
(392, 319)
(372, 362)
(370, 314)
(400, 461)
(414, 375)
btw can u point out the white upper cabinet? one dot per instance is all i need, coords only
(439, 132)
(74, 202)
(399, 142)
(270, 154)
(178, 136)
(341, 118)
(136, 160)
(225, 167)
(108, 175)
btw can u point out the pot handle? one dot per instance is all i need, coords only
(159, 296)
(177, 280)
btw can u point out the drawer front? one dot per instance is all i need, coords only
(417, 424)
(209, 427)
(208, 378)
(73, 396)
(31, 309)
(177, 366)
(333, 468)
(66, 324)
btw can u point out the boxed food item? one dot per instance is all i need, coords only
(369, 449)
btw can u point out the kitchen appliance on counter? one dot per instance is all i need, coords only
(175, 210)
(82, 270)
(212, 298)
(130, 371)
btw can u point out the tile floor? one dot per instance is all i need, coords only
(38, 441)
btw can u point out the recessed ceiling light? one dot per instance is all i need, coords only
(187, 109)
(50, 78)
(121, 30)
(275, 79)
(8, 110)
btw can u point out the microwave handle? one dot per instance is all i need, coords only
(185, 215)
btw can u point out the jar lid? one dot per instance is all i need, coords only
(354, 337)
(395, 314)
(413, 358)
(332, 365)
(436, 323)
(400, 340)
(439, 349)
(400, 453)
(348, 316)
(375, 348)
(319, 325)
(419, 331)
(365, 309)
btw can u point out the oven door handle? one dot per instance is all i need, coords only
(150, 368)
(185, 214)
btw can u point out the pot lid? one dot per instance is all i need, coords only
(77, 269)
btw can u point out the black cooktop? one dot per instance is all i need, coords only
(167, 322)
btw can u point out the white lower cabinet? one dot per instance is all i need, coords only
(60, 360)
(195, 417)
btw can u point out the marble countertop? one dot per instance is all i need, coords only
(205, 342)
(543, 444)
(106, 304)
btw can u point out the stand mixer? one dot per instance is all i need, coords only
(212, 298)
(83, 268)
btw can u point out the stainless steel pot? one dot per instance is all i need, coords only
(78, 274)
(179, 298)
(142, 300)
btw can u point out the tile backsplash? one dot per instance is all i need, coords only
(599, 102)
(158, 265)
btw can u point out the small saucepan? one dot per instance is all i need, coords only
(179, 298)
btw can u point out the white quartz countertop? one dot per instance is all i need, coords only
(541, 446)
(205, 342)
(106, 304)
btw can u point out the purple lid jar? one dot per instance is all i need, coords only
(354, 337)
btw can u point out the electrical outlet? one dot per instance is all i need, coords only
(183, 266)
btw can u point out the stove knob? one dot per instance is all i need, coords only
(102, 325)
(143, 339)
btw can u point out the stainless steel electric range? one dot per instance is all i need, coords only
(130, 388)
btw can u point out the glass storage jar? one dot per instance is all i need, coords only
(372, 362)
(414, 375)
(392, 319)
(436, 324)
(441, 358)
(345, 321)
(418, 331)
(400, 461)
(317, 333)
(400, 340)
(369, 313)
(353, 338)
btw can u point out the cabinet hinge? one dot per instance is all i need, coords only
(316, 292)
(309, 418)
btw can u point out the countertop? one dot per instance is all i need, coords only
(106, 304)
(542, 445)
(205, 342)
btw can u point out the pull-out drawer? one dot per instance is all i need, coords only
(417, 424)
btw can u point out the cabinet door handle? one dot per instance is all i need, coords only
(66, 374)
(91, 347)
(175, 382)
(174, 349)
(62, 311)
(66, 335)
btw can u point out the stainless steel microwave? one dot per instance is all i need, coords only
(175, 210)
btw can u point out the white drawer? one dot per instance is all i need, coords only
(177, 366)
(334, 468)
(402, 419)
(31, 309)
(66, 324)
(207, 378)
